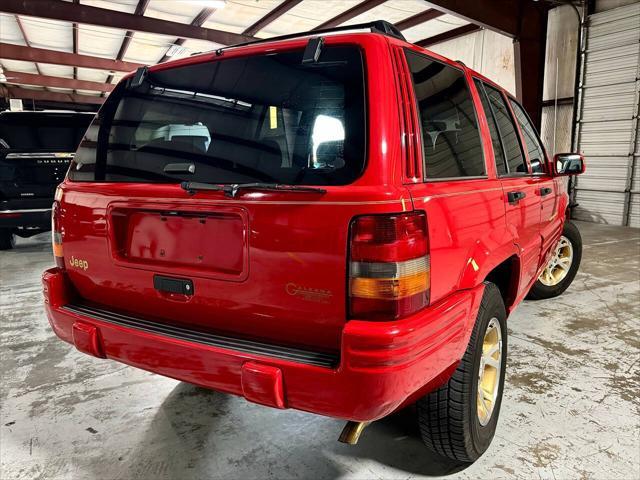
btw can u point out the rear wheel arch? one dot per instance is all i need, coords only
(484, 259)
(506, 276)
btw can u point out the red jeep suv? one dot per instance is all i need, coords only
(337, 222)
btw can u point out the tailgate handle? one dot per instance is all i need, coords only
(181, 286)
(179, 168)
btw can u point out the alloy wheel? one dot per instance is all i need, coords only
(489, 371)
(559, 265)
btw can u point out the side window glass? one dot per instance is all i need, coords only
(450, 137)
(536, 152)
(508, 133)
(498, 150)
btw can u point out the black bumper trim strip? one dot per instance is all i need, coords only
(319, 359)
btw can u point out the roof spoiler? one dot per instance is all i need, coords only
(379, 26)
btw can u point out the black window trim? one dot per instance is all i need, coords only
(537, 134)
(477, 82)
(475, 111)
(525, 157)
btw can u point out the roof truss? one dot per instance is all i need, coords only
(70, 12)
(55, 57)
(21, 78)
(274, 14)
(42, 95)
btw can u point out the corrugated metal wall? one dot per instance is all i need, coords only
(608, 119)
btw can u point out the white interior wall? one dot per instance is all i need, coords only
(560, 71)
(485, 51)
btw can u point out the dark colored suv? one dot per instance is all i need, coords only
(35, 151)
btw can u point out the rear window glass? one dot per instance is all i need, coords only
(450, 135)
(265, 118)
(43, 132)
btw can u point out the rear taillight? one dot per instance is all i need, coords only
(56, 234)
(389, 272)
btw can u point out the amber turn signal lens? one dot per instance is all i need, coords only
(390, 288)
(57, 250)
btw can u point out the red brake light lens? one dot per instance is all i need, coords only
(389, 271)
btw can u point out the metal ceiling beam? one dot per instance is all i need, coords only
(128, 36)
(21, 78)
(198, 21)
(349, 14)
(26, 39)
(419, 18)
(277, 12)
(448, 35)
(523, 20)
(26, 94)
(69, 12)
(501, 16)
(529, 55)
(74, 39)
(31, 54)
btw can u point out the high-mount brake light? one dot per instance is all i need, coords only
(389, 269)
(56, 231)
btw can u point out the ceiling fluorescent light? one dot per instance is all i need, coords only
(175, 50)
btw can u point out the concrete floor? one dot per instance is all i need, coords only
(571, 408)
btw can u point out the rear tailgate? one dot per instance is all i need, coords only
(31, 175)
(264, 266)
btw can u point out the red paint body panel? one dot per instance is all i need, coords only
(381, 365)
(262, 384)
(273, 266)
(87, 339)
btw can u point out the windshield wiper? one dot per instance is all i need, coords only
(231, 190)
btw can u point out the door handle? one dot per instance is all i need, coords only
(545, 191)
(515, 197)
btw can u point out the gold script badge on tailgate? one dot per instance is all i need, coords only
(309, 294)
(78, 263)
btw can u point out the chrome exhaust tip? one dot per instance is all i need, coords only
(351, 432)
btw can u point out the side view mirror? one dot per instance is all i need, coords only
(565, 164)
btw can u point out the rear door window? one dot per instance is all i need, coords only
(534, 147)
(498, 149)
(516, 163)
(263, 118)
(450, 136)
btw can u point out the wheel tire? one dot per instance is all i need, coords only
(7, 240)
(448, 417)
(541, 291)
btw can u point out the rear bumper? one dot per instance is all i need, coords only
(32, 213)
(382, 365)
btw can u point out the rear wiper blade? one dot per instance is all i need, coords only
(193, 187)
(272, 186)
(232, 189)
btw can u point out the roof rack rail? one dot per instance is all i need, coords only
(378, 26)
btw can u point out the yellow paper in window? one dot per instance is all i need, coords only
(273, 117)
